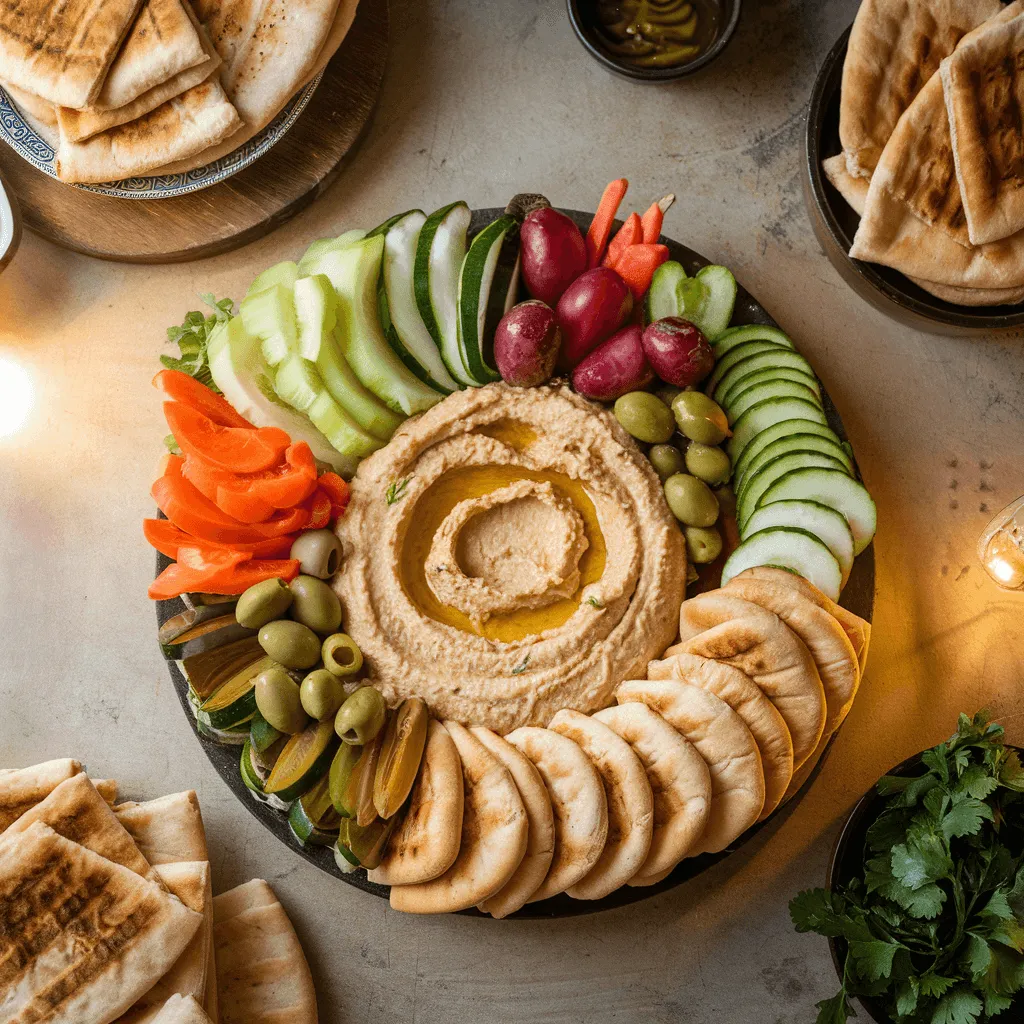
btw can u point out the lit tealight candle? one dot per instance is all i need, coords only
(1001, 548)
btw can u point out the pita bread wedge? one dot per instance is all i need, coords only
(494, 828)
(540, 838)
(630, 804)
(762, 718)
(723, 740)
(680, 782)
(180, 127)
(895, 47)
(168, 829)
(81, 938)
(76, 811)
(40, 109)
(191, 883)
(22, 788)
(427, 841)
(577, 800)
(107, 788)
(181, 1010)
(262, 974)
(758, 643)
(642, 881)
(61, 51)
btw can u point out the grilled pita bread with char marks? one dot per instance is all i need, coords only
(22, 788)
(181, 1010)
(168, 829)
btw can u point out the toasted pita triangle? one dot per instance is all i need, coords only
(23, 788)
(40, 109)
(247, 896)
(181, 1010)
(168, 829)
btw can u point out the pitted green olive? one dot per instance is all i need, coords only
(279, 702)
(318, 552)
(315, 605)
(666, 460)
(361, 717)
(262, 603)
(322, 694)
(700, 418)
(708, 463)
(290, 643)
(692, 502)
(645, 416)
(703, 544)
(341, 655)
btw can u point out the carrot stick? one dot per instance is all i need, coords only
(654, 217)
(637, 265)
(629, 234)
(601, 225)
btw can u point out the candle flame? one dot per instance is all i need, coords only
(1002, 569)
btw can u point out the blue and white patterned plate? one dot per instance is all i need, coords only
(31, 146)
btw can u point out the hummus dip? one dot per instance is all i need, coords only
(508, 554)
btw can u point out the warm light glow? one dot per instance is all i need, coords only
(16, 396)
(1002, 569)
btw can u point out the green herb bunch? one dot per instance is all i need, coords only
(193, 336)
(934, 928)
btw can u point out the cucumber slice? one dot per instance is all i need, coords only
(828, 525)
(766, 360)
(834, 488)
(270, 315)
(793, 443)
(240, 371)
(262, 735)
(727, 361)
(245, 769)
(303, 762)
(740, 335)
(322, 246)
(316, 308)
(440, 250)
(749, 497)
(205, 636)
(788, 548)
(774, 388)
(354, 271)
(234, 701)
(489, 267)
(284, 274)
(766, 414)
(774, 433)
(400, 317)
(720, 298)
(233, 736)
(340, 774)
(313, 819)
(672, 293)
(345, 859)
(775, 373)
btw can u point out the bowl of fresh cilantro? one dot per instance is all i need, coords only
(924, 902)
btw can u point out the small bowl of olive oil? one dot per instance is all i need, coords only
(654, 40)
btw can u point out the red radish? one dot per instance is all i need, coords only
(615, 368)
(678, 351)
(526, 343)
(554, 253)
(592, 308)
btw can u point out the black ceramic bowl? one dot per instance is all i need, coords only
(835, 224)
(848, 861)
(583, 17)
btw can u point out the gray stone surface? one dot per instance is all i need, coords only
(484, 99)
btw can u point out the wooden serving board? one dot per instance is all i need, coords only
(236, 211)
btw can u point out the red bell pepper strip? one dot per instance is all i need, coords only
(319, 510)
(237, 449)
(637, 265)
(629, 234)
(163, 535)
(338, 491)
(601, 226)
(180, 387)
(195, 573)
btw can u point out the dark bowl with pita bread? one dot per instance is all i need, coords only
(835, 223)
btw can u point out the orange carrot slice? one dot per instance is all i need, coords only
(180, 387)
(629, 234)
(601, 226)
(637, 265)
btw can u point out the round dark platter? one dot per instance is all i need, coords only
(835, 223)
(858, 597)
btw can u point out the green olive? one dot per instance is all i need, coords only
(279, 702)
(699, 418)
(315, 605)
(322, 694)
(361, 717)
(708, 463)
(290, 643)
(692, 502)
(341, 655)
(262, 603)
(318, 552)
(666, 460)
(645, 416)
(703, 545)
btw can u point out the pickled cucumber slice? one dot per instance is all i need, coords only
(262, 735)
(304, 761)
(234, 701)
(365, 843)
(245, 769)
(205, 636)
(725, 362)
(313, 819)
(207, 671)
(400, 756)
(342, 767)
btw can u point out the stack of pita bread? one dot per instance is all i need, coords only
(107, 914)
(123, 88)
(726, 727)
(933, 152)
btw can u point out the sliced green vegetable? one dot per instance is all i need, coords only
(720, 298)
(234, 701)
(262, 735)
(284, 274)
(304, 761)
(313, 819)
(743, 333)
(209, 670)
(788, 548)
(322, 246)
(205, 636)
(245, 769)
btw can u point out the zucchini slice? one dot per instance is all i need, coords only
(766, 414)
(206, 672)
(788, 548)
(748, 499)
(440, 250)
(313, 819)
(803, 442)
(304, 761)
(234, 701)
(732, 337)
(767, 359)
(487, 279)
(774, 388)
(203, 636)
(771, 434)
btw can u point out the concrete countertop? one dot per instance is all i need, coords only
(485, 98)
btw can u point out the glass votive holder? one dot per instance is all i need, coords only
(1001, 548)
